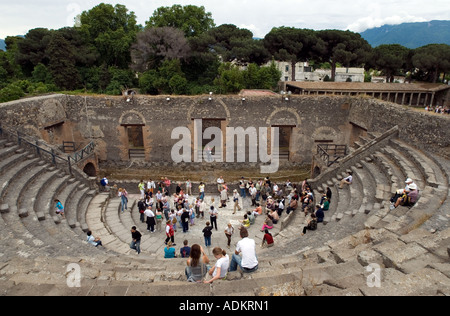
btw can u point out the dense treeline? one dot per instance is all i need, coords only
(181, 51)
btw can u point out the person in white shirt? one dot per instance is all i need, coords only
(150, 219)
(151, 186)
(220, 269)
(245, 254)
(220, 182)
(188, 187)
(347, 180)
(252, 191)
(93, 240)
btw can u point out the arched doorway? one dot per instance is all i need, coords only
(316, 172)
(90, 170)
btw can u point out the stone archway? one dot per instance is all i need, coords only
(90, 169)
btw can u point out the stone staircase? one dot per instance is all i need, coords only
(38, 249)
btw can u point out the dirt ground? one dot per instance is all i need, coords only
(208, 176)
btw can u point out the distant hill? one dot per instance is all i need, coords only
(411, 35)
(2, 45)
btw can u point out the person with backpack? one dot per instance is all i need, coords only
(186, 250)
(142, 207)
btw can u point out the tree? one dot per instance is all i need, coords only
(62, 63)
(32, 49)
(234, 44)
(230, 79)
(112, 30)
(432, 59)
(192, 20)
(345, 47)
(157, 44)
(391, 59)
(290, 44)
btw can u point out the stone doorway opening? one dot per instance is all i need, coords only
(135, 141)
(284, 146)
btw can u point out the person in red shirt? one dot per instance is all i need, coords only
(267, 239)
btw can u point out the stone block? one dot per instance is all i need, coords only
(4, 208)
(40, 216)
(84, 227)
(23, 212)
(368, 257)
(72, 224)
(57, 219)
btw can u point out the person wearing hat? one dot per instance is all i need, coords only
(408, 182)
(401, 192)
(409, 198)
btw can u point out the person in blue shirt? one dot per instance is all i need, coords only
(169, 251)
(59, 208)
(186, 250)
(319, 214)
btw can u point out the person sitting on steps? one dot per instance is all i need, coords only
(408, 199)
(312, 224)
(348, 180)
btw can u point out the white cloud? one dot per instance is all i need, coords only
(259, 16)
(369, 22)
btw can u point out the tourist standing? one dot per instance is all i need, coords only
(236, 201)
(213, 213)
(185, 220)
(136, 240)
(170, 233)
(229, 231)
(207, 233)
(123, 194)
(141, 187)
(150, 219)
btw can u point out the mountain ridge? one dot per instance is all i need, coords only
(411, 35)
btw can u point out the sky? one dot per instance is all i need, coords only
(259, 16)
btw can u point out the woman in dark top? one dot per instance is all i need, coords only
(329, 194)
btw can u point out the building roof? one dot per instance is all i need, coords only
(368, 86)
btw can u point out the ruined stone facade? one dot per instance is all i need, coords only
(146, 123)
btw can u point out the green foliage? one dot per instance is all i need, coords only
(432, 60)
(391, 59)
(182, 52)
(41, 74)
(62, 63)
(11, 92)
(112, 30)
(192, 20)
(121, 79)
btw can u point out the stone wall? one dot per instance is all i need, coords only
(426, 131)
(312, 118)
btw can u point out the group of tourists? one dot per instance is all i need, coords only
(268, 199)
